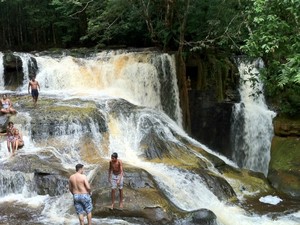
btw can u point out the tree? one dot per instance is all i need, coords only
(275, 36)
(70, 21)
(115, 22)
(216, 24)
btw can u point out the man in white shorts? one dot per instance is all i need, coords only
(115, 177)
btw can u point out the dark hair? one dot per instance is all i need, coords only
(114, 155)
(9, 123)
(78, 167)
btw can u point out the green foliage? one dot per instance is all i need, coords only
(210, 23)
(264, 28)
(70, 20)
(275, 36)
(216, 24)
(114, 22)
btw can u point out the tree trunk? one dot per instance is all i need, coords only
(181, 74)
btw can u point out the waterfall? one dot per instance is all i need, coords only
(146, 79)
(252, 128)
(1, 71)
(27, 64)
(136, 97)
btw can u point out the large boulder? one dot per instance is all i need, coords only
(142, 199)
(54, 119)
(13, 69)
(284, 167)
(284, 172)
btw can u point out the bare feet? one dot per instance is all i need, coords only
(121, 205)
(111, 207)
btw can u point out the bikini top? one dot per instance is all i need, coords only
(5, 104)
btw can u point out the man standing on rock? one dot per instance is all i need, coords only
(81, 190)
(35, 87)
(115, 177)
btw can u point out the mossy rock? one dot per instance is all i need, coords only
(284, 126)
(246, 182)
(284, 168)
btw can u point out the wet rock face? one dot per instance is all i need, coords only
(13, 70)
(142, 198)
(211, 121)
(3, 123)
(48, 177)
(284, 173)
(19, 214)
(204, 217)
(218, 186)
(56, 121)
(286, 128)
(51, 184)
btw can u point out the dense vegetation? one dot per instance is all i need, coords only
(258, 28)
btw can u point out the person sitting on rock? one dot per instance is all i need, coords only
(18, 141)
(10, 130)
(7, 105)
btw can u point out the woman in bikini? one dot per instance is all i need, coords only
(7, 105)
(18, 141)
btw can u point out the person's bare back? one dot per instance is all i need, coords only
(78, 183)
(81, 191)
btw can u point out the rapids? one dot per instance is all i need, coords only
(136, 94)
(252, 128)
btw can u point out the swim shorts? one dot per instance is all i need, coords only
(114, 180)
(83, 203)
(34, 93)
(10, 138)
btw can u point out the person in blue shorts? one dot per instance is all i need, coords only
(35, 87)
(81, 190)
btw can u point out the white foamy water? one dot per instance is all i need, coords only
(26, 63)
(135, 77)
(269, 199)
(1, 72)
(252, 128)
(185, 189)
(132, 77)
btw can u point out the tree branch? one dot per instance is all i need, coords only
(84, 8)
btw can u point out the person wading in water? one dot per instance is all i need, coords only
(81, 191)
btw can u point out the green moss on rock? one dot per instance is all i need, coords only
(284, 168)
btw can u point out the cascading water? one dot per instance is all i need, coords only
(252, 128)
(101, 81)
(27, 66)
(1, 72)
(140, 78)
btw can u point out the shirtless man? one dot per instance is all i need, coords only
(115, 178)
(7, 105)
(35, 87)
(81, 190)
